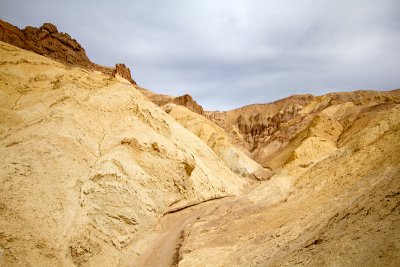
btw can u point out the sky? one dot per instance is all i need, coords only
(231, 53)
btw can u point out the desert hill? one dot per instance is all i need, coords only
(268, 133)
(265, 129)
(93, 173)
(88, 164)
(334, 202)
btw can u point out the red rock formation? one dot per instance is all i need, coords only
(47, 41)
(12, 35)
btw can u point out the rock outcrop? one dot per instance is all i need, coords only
(124, 72)
(187, 101)
(48, 41)
(184, 100)
(88, 165)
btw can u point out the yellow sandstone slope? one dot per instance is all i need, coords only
(88, 163)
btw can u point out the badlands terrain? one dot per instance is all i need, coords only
(98, 171)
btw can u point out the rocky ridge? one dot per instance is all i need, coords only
(265, 129)
(48, 41)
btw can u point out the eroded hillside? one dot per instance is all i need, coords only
(335, 197)
(88, 164)
(216, 138)
(266, 130)
(334, 202)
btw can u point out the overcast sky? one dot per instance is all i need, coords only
(227, 54)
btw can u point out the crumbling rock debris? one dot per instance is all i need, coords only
(263, 174)
(190, 165)
(49, 27)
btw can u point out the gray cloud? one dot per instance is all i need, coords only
(232, 53)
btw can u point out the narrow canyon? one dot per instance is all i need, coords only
(96, 170)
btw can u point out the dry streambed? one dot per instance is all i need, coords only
(164, 246)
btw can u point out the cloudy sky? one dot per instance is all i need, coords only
(227, 54)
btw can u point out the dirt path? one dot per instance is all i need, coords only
(164, 251)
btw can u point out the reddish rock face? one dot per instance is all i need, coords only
(47, 41)
(12, 35)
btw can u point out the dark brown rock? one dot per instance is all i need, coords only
(47, 41)
(12, 35)
(49, 27)
(124, 72)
